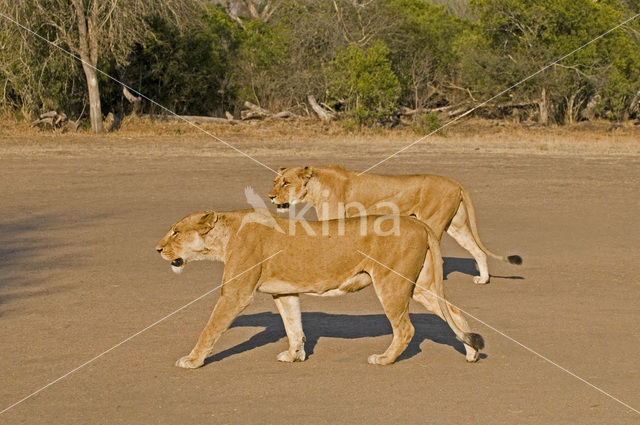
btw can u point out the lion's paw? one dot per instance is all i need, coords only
(286, 356)
(187, 362)
(479, 280)
(379, 359)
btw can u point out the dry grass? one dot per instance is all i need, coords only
(145, 137)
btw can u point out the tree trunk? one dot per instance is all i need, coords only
(634, 107)
(543, 104)
(568, 116)
(589, 111)
(95, 108)
(88, 49)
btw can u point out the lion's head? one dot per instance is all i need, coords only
(198, 236)
(290, 186)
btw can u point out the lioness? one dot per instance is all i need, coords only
(330, 258)
(441, 202)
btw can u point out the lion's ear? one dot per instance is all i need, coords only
(307, 172)
(208, 220)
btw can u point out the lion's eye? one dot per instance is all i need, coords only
(175, 233)
(285, 183)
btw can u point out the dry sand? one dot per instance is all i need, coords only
(79, 274)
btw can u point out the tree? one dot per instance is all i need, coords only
(33, 76)
(261, 10)
(186, 69)
(421, 37)
(259, 70)
(284, 58)
(362, 79)
(516, 38)
(95, 30)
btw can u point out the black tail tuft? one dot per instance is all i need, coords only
(474, 340)
(515, 259)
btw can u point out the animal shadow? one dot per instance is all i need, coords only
(468, 267)
(317, 325)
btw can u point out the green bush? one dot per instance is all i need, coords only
(363, 81)
(259, 69)
(185, 69)
(428, 123)
(515, 38)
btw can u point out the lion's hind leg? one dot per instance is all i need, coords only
(289, 309)
(394, 294)
(460, 231)
(430, 302)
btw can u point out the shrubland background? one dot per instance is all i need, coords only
(371, 61)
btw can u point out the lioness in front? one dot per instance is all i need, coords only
(318, 258)
(441, 202)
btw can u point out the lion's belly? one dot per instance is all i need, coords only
(323, 289)
(330, 293)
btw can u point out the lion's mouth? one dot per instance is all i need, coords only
(282, 207)
(176, 265)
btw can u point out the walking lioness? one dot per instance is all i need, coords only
(330, 258)
(439, 201)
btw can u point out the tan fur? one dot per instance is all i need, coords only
(440, 202)
(328, 263)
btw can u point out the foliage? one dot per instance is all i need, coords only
(186, 70)
(366, 58)
(428, 123)
(421, 38)
(35, 77)
(313, 37)
(515, 38)
(362, 79)
(259, 70)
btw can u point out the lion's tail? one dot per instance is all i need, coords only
(471, 216)
(473, 339)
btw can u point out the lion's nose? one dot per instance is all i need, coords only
(178, 262)
(159, 250)
(272, 197)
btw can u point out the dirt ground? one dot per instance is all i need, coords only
(80, 216)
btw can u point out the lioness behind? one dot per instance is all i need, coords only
(337, 258)
(441, 202)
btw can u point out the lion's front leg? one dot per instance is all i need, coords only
(289, 309)
(226, 310)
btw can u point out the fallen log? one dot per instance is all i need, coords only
(463, 110)
(195, 119)
(323, 113)
(136, 101)
(285, 115)
(254, 112)
(53, 119)
(410, 112)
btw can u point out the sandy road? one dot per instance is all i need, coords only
(79, 275)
